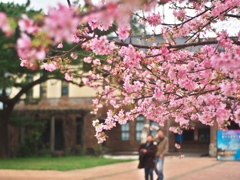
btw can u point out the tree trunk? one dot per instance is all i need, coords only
(4, 121)
(3, 138)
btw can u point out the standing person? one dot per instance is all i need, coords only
(162, 149)
(147, 157)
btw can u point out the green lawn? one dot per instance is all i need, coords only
(57, 163)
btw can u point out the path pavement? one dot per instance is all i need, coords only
(189, 168)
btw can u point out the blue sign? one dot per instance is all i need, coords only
(228, 145)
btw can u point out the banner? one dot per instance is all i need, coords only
(228, 145)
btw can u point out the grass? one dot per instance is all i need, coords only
(57, 163)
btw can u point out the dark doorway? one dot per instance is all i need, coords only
(59, 138)
(204, 134)
(79, 131)
(46, 136)
(233, 126)
(188, 135)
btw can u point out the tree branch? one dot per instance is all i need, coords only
(29, 86)
(69, 51)
(3, 99)
(69, 3)
(177, 46)
(232, 15)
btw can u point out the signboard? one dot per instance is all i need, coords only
(228, 145)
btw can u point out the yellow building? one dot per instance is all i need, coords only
(65, 107)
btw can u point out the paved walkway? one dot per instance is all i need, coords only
(189, 168)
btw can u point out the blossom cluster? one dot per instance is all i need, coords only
(61, 24)
(154, 19)
(4, 24)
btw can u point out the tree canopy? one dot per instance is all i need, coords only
(159, 80)
(12, 75)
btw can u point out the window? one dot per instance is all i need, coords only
(155, 127)
(64, 88)
(29, 93)
(125, 132)
(204, 135)
(79, 128)
(139, 127)
(43, 87)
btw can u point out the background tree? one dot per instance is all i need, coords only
(12, 75)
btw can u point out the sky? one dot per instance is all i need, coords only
(232, 26)
(45, 4)
(39, 4)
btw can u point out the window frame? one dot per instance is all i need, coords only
(65, 87)
(125, 131)
(138, 132)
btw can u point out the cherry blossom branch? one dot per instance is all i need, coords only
(67, 52)
(149, 79)
(29, 86)
(177, 46)
(206, 24)
(194, 17)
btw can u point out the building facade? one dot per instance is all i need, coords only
(66, 109)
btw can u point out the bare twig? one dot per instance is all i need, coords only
(69, 3)
(232, 15)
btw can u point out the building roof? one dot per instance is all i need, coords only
(232, 26)
(57, 104)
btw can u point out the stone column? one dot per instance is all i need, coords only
(52, 134)
(213, 139)
(168, 126)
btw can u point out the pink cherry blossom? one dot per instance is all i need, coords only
(68, 77)
(27, 52)
(95, 122)
(180, 14)
(87, 59)
(123, 32)
(61, 24)
(74, 55)
(4, 25)
(49, 67)
(222, 115)
(60, 45)
(101, 46)
(97, 62)
(237, 115)
(154, 19)
(226, 61)
(75, 39)
(230, 88)
(177, 146)
(27, 25)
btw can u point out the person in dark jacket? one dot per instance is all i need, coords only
(147, 157)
